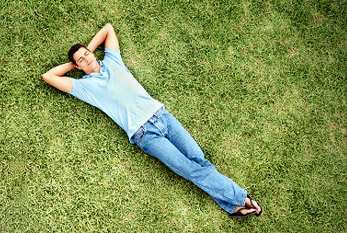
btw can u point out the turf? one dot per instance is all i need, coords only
(261, 86)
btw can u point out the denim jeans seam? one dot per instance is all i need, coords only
(237, 203)
(160, 130)
(138, 138)
(217, 195)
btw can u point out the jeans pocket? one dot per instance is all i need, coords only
(138, 136)
(164, 113)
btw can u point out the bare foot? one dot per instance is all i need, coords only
(255, 204)
(244, 210)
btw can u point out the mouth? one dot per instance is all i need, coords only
(90, 62)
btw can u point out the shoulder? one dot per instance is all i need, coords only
(82, 82)
(112, 55)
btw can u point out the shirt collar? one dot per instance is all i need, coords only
(96, 74)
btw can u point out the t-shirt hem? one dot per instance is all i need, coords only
(131, 134)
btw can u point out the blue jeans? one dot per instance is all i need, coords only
(163, 137)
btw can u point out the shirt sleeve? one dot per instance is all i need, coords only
(114, 55)
(80, 90)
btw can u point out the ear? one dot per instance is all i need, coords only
(76, 67)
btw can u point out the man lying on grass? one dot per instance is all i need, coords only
(109, 86)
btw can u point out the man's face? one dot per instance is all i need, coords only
(85, 60)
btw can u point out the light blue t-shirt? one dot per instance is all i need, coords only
(116, 92)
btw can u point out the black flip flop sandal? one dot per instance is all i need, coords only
(238, 214)
(251, 199)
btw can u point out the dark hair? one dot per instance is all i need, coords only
(73, 50)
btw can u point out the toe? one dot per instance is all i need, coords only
(248, 211)
(258, 208)
(250, 203)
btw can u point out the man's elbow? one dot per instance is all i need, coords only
(109, 26)
(45, 77)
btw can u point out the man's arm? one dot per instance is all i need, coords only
(107, 35)
(55, 77)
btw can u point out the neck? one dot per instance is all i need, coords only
(96, 70)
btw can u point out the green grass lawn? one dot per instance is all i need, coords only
(260, 85)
